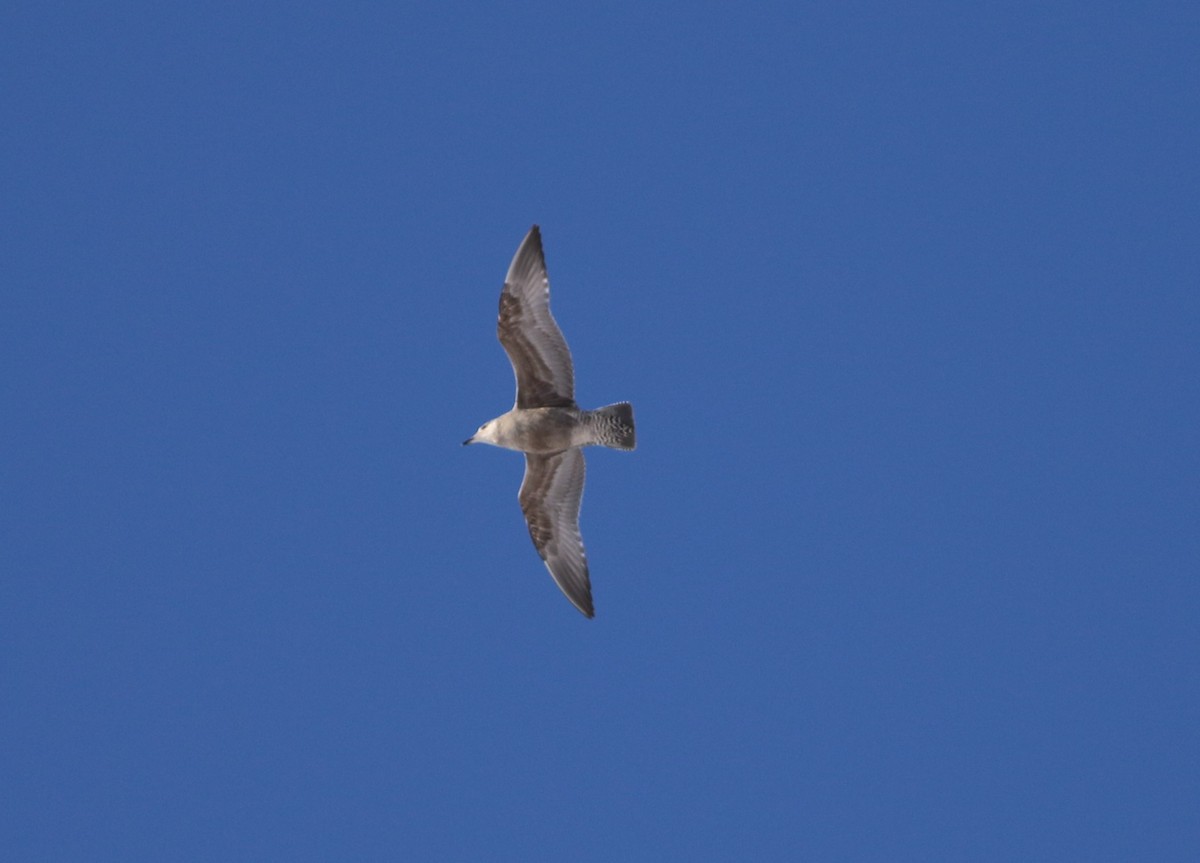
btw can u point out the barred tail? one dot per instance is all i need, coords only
(614, 426)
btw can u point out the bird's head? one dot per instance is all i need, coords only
(485, 434)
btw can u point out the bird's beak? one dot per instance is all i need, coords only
(471, 439)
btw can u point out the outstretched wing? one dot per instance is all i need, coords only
(550, 497)
(531, 338)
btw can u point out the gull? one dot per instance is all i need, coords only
(546, 424)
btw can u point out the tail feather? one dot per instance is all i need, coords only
(615, 427)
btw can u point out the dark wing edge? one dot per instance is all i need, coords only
(550, 497)
(531, 337)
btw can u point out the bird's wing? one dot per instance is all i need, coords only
(550, 497)
(534, 343)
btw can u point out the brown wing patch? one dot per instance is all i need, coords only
(524, 343)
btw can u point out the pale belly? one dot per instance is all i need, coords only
(547, 430)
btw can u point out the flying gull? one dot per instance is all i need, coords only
(546, 424)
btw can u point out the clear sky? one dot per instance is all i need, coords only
(906, 298)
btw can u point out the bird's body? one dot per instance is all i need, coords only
(546, 424)
(549, 430)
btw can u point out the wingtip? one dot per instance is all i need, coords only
(583, 604)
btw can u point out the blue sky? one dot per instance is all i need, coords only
(904, 567)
